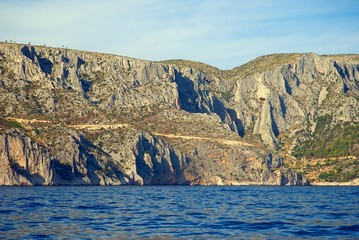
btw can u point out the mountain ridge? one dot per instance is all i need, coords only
(274, 106)
(353, 57)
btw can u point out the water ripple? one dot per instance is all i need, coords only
(179, 212)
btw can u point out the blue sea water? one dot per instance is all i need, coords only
(179, 212)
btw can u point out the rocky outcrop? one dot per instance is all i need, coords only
(76, 161)
(289, 97)
(23, 161)
(270, 104)
(140, 159)
(291, 178)
(221, 164)
(71, 159)
(146, 159)
(76, 84)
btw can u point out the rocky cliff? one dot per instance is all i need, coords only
(100, 119)
(290, 96)
(23, 161)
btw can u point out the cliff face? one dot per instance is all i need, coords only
(71, 159)
(146, 159)
(140, 159)
(23, 161)
(100, 119)
(288, 97)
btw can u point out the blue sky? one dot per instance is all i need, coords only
(224, 33)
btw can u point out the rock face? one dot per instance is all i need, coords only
(149, 161)
(102, 119)
(288, 97)
(23, 161)
(142, 159)
(146, 159)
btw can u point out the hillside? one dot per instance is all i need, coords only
(72, 117)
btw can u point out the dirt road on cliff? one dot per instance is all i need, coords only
(125, 125)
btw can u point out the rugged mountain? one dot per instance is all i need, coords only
(307, 107)
(302, 106)
(75, 117)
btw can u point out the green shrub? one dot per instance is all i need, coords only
(15, 124)
(337, 141)
(329, 176)
(227, 95)
(322, 122)
(10, 124)
(342, 172)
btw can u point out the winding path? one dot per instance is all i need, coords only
(122, 125)
(219, 140)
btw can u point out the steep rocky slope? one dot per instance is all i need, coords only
(307, 107)
(289, 96)
(23, 161)
(108, 120)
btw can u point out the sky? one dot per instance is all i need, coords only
(222, 33)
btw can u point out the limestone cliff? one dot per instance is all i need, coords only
(70, 159)
(23, 161)
(108, 120)
(290, 97)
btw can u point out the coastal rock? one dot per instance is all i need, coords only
(146, 159)
(290, 96)
(182, 122)
(23, 161)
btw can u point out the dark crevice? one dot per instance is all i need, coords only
(45, 64)
(274, 124)
(283, 106)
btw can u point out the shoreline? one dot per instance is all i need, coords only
(314, 184)
(355, 182)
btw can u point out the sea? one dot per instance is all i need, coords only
(179, 212)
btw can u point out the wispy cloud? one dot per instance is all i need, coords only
(221, 33)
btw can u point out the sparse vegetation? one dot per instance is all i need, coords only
(6, 124)
(263, 63)
(228, 95)
(330, 147)
(330, 141)
(352, 58)
(342, 172)
(322, 123)
(202, 67)
(338, 169)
